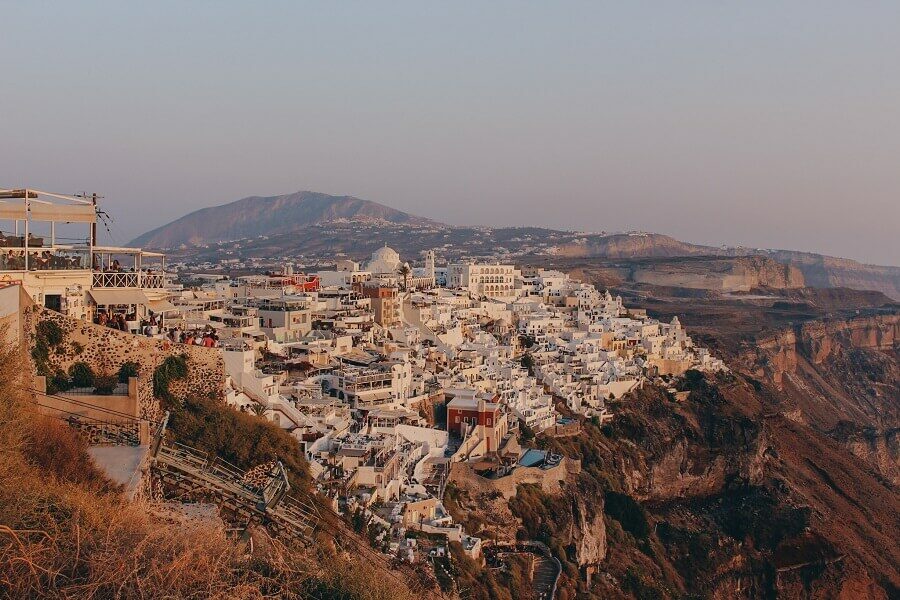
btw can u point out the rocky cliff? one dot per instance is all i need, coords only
(834, 370)
(721, 274)
(841, 377)
(830, 272)
(633, 245)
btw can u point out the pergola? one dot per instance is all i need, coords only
(25, 206)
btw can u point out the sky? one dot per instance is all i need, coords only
(764, 124)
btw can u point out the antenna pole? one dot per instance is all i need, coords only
(94, 223)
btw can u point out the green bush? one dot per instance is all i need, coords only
(127, 370)
(105, 385)
(58, 382)
(172, 368)
(81, 375)
(50, 333)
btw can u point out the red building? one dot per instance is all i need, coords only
(468, 410)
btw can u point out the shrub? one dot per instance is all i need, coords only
(81, 375)
(105, 385)
(58, 382)
(527, 433)
(239, 438)
(172, 368)
(127, 370)
(58, 450)
(50, 333)
(528, 363)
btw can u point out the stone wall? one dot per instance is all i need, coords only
(105, 350)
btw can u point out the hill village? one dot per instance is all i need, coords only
(394, 377)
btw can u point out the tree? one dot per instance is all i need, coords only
(405, 271)
(528, 362)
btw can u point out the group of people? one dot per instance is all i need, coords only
(201, 337)
(153, 326)
(130, 322)
(14, 260)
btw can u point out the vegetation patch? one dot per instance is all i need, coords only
(173, 368)
(81, 375)
(127, 370)
(241, 439)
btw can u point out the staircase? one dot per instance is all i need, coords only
(187, 473)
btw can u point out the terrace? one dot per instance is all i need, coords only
(39, 233)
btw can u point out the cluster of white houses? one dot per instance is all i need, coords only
(352, 360)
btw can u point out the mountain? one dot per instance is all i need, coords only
(270, 215)
(319, 226)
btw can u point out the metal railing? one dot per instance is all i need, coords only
(121, 389)
(132, 279)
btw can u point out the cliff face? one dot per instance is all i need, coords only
(828, 271)
(841, 377)
(588, 533)
(632, 246)
(739, 502)
(717, 273)
(822, 340)
(833, 371)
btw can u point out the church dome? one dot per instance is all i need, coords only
(384, 260)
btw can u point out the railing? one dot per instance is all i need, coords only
(106, 433)
(114, 429)
(121, 389)
(135, 279)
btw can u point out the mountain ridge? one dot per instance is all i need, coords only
(268, 215)
(294, 224)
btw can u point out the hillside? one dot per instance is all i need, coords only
(817, 270)
(272, 215)
(632, 245)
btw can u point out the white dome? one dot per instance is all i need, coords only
(384, 260)
(386, 254)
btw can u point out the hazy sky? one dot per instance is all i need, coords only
(772, 124)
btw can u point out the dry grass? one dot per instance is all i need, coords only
(66, 532)
(58, 450)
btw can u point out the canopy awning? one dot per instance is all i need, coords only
(47, 211)
(63, 213)
(13, 211)
(161, 306)
(119, 296)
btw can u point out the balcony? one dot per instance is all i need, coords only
(45, 259)
(133, 279)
